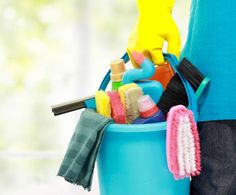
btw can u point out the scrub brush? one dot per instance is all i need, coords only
(191, 73)
(182, 143)
(131, 103)
(175, 93)
(122, 89)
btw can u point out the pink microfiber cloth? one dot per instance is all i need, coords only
(182, 143)
(117, 110)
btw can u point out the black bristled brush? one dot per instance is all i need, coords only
(191, 73)
(175, 93)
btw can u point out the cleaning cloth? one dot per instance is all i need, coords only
(78, 163)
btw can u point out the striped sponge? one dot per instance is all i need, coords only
(117, 110)
(182, 143)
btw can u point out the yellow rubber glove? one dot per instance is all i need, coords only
(154, 26)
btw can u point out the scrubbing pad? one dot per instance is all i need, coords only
(122, 90)
(103, 103)
(182, 143)
(117, 110)
(131, 103)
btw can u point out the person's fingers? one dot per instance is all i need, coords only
(129, 52)
(174, 42)
(155, 50)
(134, 44)
(157, 56)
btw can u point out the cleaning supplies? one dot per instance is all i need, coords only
(117, 70)
(122, 89)
(152, 88)
(131, 103)
(86, 102)
(191, 73)
(175, 93)
(146, 71)
(78, 164)
(149, 113)
(163, 74)
(117, 110)
(103, 103)
(196, 79)
(182, 143)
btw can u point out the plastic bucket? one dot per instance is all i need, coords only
(132, 161)
(132, 158)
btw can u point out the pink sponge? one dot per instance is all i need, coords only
(117, 110)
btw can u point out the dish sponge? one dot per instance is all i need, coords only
(103, 103)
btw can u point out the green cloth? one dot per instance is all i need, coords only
(78, 163)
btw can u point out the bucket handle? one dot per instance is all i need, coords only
(174, 63)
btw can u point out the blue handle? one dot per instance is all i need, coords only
(174, 63)
(146, 71)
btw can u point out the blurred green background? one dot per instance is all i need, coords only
(52, 51)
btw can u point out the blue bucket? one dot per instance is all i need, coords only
(132, 161)
(132, 158)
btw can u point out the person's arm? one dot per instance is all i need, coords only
(154, 25)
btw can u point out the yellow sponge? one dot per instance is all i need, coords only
(103, 106)
(122, 89)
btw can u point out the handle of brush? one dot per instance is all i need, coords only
(146, 71)
(87, 102)
(192, 99)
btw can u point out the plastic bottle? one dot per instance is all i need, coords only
(117, 71)
(149, 112)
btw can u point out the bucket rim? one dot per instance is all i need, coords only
(136, 128)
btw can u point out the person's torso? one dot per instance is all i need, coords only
(211, 47)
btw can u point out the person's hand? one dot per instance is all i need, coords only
(154, 26)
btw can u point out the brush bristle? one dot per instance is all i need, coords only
(174, 94)
(196, 144)
(131, 103)
(183, 145)
(138, 57)
(191, 73)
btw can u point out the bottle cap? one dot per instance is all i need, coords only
(146, 106)
(117, 70)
